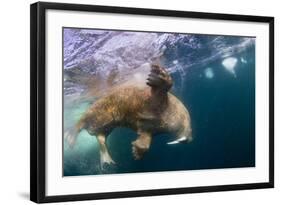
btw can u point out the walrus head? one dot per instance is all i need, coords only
(184, 135)
(180, 124)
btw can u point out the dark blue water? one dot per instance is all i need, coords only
(222, 109)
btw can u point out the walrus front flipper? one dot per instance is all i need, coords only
(159, 79)
(141, 145)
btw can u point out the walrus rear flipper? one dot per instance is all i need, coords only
(71, 134)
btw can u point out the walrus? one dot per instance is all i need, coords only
(148, 110)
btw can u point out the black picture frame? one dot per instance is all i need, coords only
(38, 101)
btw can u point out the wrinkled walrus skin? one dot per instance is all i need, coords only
(148, 110)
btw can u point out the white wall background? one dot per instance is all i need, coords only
(14, 102)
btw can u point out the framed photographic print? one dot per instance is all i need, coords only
(129, 102)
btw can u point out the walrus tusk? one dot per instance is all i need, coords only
(177, 140)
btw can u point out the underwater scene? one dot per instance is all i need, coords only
(138, 101)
